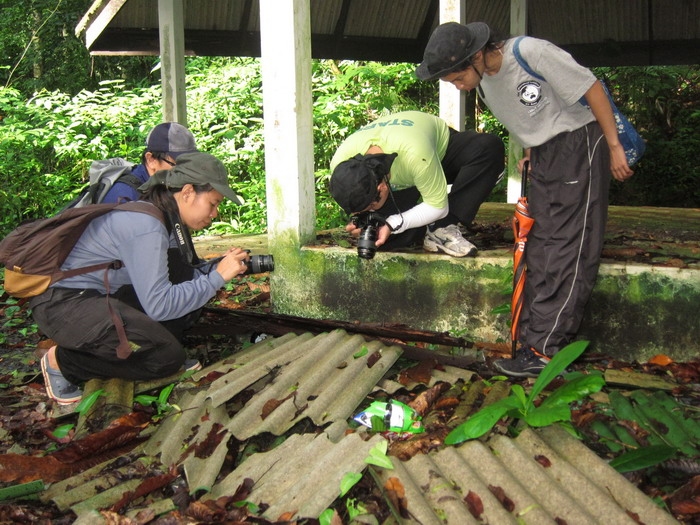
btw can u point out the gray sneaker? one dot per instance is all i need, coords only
(58, 387)
(192, 365)
(449, 240)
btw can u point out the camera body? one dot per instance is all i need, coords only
(369, 223)
(260, 264)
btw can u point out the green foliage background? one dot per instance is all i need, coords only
(39, 50)
(51, 138)
(61, 108)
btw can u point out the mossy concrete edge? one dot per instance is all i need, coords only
(635, 312)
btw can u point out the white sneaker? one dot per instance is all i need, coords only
(449, 240)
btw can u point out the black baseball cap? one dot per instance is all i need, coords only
(354, 182)
(451, 47)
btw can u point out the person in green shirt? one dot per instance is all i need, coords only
(423, 177)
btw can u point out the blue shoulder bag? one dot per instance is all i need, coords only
(630, 139)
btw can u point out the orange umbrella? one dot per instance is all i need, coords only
(522, 223)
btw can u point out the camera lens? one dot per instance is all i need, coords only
(366, 247)
(260, 264)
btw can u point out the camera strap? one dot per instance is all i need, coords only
(184, 241)
(391, 194)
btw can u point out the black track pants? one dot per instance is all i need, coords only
(473, 163)
(568, 198)
(80, 324)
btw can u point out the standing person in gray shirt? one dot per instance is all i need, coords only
(572, 151)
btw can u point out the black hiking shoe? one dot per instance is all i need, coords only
(527, 363)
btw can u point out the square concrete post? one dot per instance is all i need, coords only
(285, 38)
(172, 60)
(518, 26)
(451, 100)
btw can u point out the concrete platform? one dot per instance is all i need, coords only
(645, 301)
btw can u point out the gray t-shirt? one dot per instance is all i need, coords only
(534, 111)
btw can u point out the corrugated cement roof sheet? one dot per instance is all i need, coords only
(539, 477)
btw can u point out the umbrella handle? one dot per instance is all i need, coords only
(523, 178)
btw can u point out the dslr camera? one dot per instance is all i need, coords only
(369, 223)
(260, 264)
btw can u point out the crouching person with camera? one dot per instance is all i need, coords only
(125, 322)
(393, 175)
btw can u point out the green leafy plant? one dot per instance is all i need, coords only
(160, 402)
(249, 505)
(642, 458)
(349, 481)
(326, 517)
(355, 508)
(378, 455)
(87, 402)
(521, 406)
(62, 431)
(361, 352)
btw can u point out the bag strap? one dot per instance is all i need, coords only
(521, 60)
(130, 179)
(523, 64)
(124, 348)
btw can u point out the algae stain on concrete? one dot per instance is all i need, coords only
(636, 315)
(430, 293)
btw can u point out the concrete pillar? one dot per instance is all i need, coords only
(451, 100)
(285, 37)
(518, 26)
(172, 60)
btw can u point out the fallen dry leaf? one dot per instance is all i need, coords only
(474, 504)
(543, 460)
(661, 360)
(420, 373)
(396, 493)
(502, 498)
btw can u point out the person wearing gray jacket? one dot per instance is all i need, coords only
(75, 315)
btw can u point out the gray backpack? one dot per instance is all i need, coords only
(103, 175)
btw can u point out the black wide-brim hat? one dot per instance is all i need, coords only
(451, 47)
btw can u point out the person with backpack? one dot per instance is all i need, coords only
(117, 180)
(572, 149)
(78, 313)
(164, 144)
